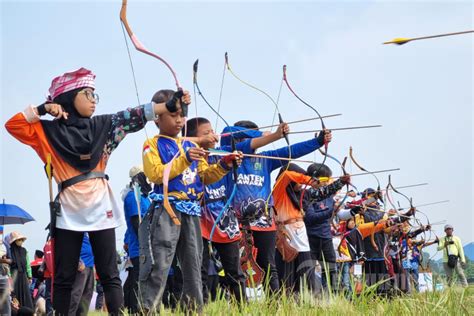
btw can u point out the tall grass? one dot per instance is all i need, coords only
(451, 301)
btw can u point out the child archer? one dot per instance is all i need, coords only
(254, 190)
(226, 233)
(80, 146)
(160, 238)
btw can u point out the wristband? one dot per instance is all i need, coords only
(41, 109)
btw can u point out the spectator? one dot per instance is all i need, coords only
(452, 254)
(20, 270)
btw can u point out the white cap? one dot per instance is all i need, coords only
(135, 170)
(448, 226)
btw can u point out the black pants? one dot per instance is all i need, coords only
(130, 288)
(322, 250)
(99, 302)
(67, 250)
(293, 274)
(375, 272)
(230, 258)
(265, 242)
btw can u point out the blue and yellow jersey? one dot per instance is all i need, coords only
(187, 178)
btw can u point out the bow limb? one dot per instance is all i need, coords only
(387, 195)
(343, 167)
(229, 68)
(351, 155)
(139, 46)
(410, 200)
(326, 145)
(285, 79)
(195, 82)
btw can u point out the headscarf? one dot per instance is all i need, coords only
(18, 255)
(79, 140)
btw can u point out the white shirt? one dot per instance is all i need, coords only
(299, 238)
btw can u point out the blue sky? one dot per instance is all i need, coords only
(420, 92)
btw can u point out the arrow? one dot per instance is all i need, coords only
(401, 40)
(225, 153)
(433, 203)
(337, 129)
(275, 125)
(402, 187)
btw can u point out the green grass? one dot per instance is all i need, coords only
(452, 301)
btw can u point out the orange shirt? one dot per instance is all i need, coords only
(284, 207)
(86, 206)
(368, 229)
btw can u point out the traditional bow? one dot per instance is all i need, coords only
(323, 126)
(141, 48)
(277, 110)
(234, 164)
(351, 155)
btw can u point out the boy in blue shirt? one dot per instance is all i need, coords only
(226, 233)
(253, 194)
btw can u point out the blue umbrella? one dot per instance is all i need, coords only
(12, 214)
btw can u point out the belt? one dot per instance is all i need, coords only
(291, 221)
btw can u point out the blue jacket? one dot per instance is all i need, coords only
(131, 209)
(317, 218)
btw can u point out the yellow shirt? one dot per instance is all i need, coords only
(453, 249)
(188, 187)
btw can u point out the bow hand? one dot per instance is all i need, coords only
(233, 160)
(346, 179)
(324, 137)
(285, 133)
(180, 101)
(283, 130)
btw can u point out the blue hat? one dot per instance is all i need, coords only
(367, 192)
(238, 132)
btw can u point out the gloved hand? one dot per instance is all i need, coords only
(230, 158)
(346, 179)
(172, 104)
(324, 137)
(356, 210)
(184, 100)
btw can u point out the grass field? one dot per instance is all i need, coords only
(452, 301)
